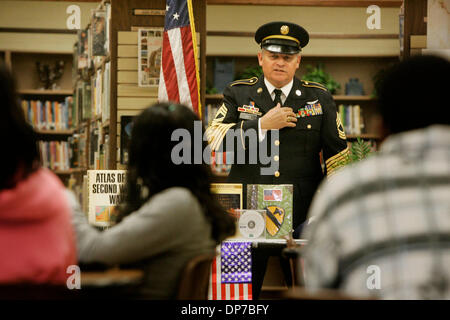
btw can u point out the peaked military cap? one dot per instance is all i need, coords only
(282, 37)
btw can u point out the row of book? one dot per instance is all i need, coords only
(78, 143)
(55, 155)
(351, 118)
(49, 115)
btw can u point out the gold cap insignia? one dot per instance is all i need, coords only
(284, 29)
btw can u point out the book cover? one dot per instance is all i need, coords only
(276, 200)
(98, 32)
(229, 195)
(105, 189)
(149, 56)
(82, 47)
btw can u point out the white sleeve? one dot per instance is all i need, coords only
(261, 132)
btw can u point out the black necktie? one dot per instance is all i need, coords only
(277, 97)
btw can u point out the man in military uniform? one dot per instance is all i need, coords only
(303, 112)
(302, 117)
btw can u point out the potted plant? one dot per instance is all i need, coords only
(318, 74)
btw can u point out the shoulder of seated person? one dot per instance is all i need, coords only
(174, 196)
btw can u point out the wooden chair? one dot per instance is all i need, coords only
(194, 280)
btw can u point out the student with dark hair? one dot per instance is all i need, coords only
(36, 238)
(169, 215)
(381, 227)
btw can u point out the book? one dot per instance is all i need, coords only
(149, 56)
(276, 200)
(105, 190)
(82, 47)
(229, 195)
(98, 32)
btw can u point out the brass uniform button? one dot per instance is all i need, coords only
(308, 126)
(277, 142)
(277, 174)
(276, 158)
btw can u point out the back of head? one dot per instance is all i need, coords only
(412, 94)
(17, 136)
(154, 162)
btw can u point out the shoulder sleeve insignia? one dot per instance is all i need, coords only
(340, 127)
(313, 84)
(249, 82)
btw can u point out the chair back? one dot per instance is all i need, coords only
(194, 280)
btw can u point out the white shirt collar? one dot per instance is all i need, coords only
(286, 89)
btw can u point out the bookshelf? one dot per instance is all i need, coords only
(106, 89)
(47, 109)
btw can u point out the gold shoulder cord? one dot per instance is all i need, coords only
(217, 130)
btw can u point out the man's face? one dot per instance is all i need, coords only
(278, 68)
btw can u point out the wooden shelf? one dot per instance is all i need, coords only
(55, 132)
(363, 136)
(353, 98)
(70, 171)
(36, 92)
(336, 97)
(216, 96)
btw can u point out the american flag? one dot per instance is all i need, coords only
(231, 275)
(179, 78)
(273, 195)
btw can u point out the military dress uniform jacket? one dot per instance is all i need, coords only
(297, 149)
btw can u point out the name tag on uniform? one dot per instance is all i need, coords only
(311, 109)
(247, 116)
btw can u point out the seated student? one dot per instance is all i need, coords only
(37, 242)
(169, 215)
(381, 227)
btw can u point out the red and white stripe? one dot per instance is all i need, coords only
(178, 76)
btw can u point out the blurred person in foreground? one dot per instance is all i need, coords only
(37, 242)
(381, 227)
(169, 215)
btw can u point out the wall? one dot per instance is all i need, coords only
(317, 20)
(39, 15)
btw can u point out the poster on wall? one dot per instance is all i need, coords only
(149, 56)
